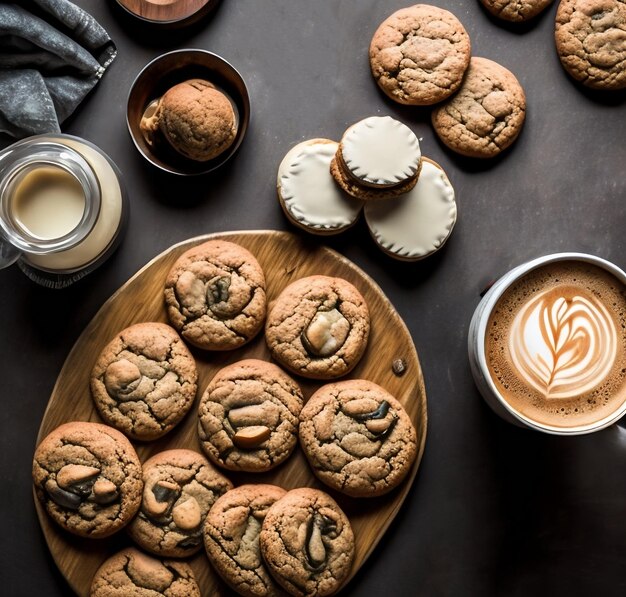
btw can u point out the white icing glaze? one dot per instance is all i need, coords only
(308, 191)
(381, 151)
(417, 223)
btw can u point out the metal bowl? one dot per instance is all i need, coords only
(163, 73)
(173, 14)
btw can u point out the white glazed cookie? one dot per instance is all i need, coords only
(307, 192)
(380, 152)
(417, 224)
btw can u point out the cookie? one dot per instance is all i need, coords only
(419, 54)
(179, 488)
(144, 381)
(215, 295)
(307, 192)
(307, 543)
(231, 538)
(131, 573)
(318, 327)
(357, 438)
(487, 113)
(591, 41)
(515, 10)
(248, 416)
(88, 478)
(417, 224)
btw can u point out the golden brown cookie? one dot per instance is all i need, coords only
(318, 327)
(419, 54)
(591, 41)
(248, 416)
(215, 295)
(179, 488)
(515, 10)
(131, 573)
(144, 381)
(88, 478)
(487, 113)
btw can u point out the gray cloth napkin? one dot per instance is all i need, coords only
(52, 54)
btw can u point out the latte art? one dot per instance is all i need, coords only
(562, 343)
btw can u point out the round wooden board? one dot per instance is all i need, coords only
(284, 258)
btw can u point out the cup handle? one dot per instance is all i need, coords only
(8, 253)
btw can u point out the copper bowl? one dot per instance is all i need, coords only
(168, 13)
(163, 73)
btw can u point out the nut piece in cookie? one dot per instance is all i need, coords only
(144, 381)
(248, 416)
(215, 295)
(357, 438)
(231, 538)
(307, 192)
(591, 41)
(515, 10)
(318, 327)
(88, 478)
(179, 488)
(417, 224)
(307, 543)
(131, 572)
(419, 54)
(487, 113)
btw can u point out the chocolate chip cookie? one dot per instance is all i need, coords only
(307, 543)
(591, 41)
(318, 327)
(357, 438)
(248, 416)
(88, 477)
(515, 10)
(231, 538)
(144, 381)
(215, 295)
(419, 54)
(131, 573)
(179, 488)
(487, 113)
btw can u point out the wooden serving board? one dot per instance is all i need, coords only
(284, 258)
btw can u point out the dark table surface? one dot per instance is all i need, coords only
(494, 510)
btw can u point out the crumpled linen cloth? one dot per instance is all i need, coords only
(52, 54)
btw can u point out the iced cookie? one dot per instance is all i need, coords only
(515, 10)
(318, 327)
(307, 192)
(215, 295)
(591, 41)
(417, 224)
(487, 113)
(179, 488)
(131, 573)
(357, 438)
(419, 54)
(248, 416)
(88, 478)
(231, 539)
(144, 381)
(307, 543)
(378, 158)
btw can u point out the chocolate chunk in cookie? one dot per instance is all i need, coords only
(515, 11)
(88, 477)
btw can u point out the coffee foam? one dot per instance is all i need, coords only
(556, 344)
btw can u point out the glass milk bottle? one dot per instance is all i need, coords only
(63, 208)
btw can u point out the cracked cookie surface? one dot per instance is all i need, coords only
(418, 55)
(487, 113)
(307, 543)
(131, 573)
(590, 40)
(318, 327)
(179, 488)
(215, 295)
(231, 539)
(515, 10)
(357, 438)
(144, 381)
(248, 416)
(88, 477)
